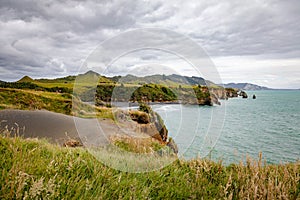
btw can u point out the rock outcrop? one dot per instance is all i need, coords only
(243, 94)
(172, 145)
(150, 123)
(224, 93)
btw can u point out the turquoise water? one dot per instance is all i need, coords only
(269, 124)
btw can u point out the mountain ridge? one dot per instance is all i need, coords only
(170, 80)
(246, 86)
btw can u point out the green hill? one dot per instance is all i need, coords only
(173, 80)
(90, 78)
(25, 79)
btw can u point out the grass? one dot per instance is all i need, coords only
(145, 144)
(31, 100)
(35, 169)
(55, 84)
(25, 99)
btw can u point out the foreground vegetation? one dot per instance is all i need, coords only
(35, 169)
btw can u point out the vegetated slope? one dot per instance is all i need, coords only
(32, 169)
(104, 94)
(167, 80)
(64, 103)
(91, 87)
(94, 77)
(25, 79)
(27, 99)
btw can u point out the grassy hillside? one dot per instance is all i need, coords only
(25, 99)
(173, 80)
(92, 86)
(25, 79)
(34, 169)
(30, 99)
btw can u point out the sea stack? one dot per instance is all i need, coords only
(243, 94)
(254, 97)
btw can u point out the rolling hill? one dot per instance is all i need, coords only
(25, 79)
(173, 80)
(169, 80)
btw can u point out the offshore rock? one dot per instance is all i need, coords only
(243, 94)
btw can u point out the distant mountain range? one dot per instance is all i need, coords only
(246, 86)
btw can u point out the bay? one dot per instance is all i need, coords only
(238, 128)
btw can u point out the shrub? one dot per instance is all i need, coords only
(140, 117)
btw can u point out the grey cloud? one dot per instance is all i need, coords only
(239, 28)
(254, 29)
(34, 33)
(54, 37)
(149, 57)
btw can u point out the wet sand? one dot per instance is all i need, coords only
(58, 128)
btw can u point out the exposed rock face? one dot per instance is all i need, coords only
(152, 125)
(219, 93)
(224, 93)
(149, 129)
(214, 99)
(172, 145)
(154, 118)
(160, 126)
(231, 92)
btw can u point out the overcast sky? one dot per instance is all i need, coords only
(248, 41)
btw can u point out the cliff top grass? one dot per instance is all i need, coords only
(36, 169)
(25, 99)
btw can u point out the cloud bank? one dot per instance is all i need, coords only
(53, 38)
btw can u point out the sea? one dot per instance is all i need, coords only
(238, 128)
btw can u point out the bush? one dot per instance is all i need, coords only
(145, 108)
(140, 117)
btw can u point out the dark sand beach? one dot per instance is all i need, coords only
(58, 128)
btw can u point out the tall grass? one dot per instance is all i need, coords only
(35, 169)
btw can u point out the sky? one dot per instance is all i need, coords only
(256, 41)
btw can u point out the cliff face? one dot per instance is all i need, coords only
(144, 123)
(150, 123)
(224, 93)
